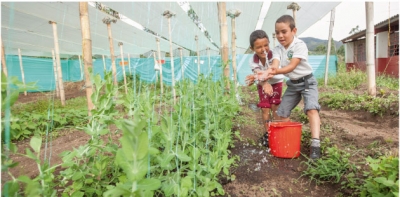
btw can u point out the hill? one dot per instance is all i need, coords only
(312, 43)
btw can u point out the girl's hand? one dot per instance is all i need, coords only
(250, 80)
(267, 89)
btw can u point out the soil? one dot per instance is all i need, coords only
(257, 173)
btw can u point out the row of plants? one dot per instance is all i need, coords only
(169, 146)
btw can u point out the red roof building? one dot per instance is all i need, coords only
(386, 48)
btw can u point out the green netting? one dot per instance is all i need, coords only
(40, 70)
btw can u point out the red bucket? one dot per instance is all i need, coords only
(284, 139)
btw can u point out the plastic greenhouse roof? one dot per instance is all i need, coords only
(25, 25)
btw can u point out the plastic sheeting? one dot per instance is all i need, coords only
(40, 70)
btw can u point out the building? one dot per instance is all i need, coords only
(386, 48)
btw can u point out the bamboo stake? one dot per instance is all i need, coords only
(328, 51)
(108, 21)
(59, 71)
(182, 66)
(55, 74)
(198, 56)
(80, 66)
(233, 14)
(168, 15)
(159, 61)
(22, 69)
(3, 59)
(123, 66)
(224, 41)
(209, 60)
(295, 7)
(155, 62)
(369, 39)
(87, 52)
(129, 64)
(104, 63)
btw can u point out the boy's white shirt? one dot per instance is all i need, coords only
(297, 49)
(273, 80)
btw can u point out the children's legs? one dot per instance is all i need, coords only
(274, 108)
(314, 119)
(265, 114)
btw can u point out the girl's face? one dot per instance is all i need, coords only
(284, 34)
(261, 47)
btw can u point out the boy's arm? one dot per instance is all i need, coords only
(287, 69)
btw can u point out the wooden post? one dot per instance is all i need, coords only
(273, 38)
(182, 66)
(129, 64)
(159, 61)
(369, 38)
(3, 59)
(295, 7)
(55, 74)
(22, 68)
(168, 14)
(233, 14)
(328, 51)
(87, 52)
(123, 66)
(224, 40)
(155, 62)
(209, 60)
(104, 63)
(108, 22)
(59, 71)
(80, 66)
(198, 56)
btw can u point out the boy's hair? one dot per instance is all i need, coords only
(287, 19)
(257, 34)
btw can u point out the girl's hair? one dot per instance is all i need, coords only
(257, 34)
(287, 19)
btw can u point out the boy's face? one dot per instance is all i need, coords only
(261, 45)
(284, 34)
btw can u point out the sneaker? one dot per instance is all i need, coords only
(315, 152)
(264, 140)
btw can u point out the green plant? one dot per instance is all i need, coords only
(331, 167)
(383, 179)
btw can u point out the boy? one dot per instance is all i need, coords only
(291, 55)
(269, 91)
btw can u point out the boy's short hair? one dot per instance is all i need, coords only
(287, 19)
(257, 34)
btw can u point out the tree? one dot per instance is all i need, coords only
(354, 30)
(340, 51)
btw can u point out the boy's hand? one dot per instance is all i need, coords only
(264, 75)
(267, 88)
(250, 80)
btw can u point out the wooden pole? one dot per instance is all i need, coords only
(224, 41)
(273, 38)
(155, 63)
(123, 66)
(328, 51)
(159, 61)
(59, 71)
(22, 69)
(182, 66)
(369, 38)
(80, 66)
(171, 53)
(233, 21)
(209, 60)
(87, 52)
(104, 63)
(295, 7)
(198, 56)
(129, 64)
(55, 74)
(108, 21)
(3, 59)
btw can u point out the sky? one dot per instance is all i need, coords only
(348, 15)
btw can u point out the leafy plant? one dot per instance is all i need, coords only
(383, 179)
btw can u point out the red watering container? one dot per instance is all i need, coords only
(284, 139)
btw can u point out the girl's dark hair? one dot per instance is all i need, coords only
(257, 34)
(287, 19)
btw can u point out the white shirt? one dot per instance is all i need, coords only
(297, 49)
(255, 65)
